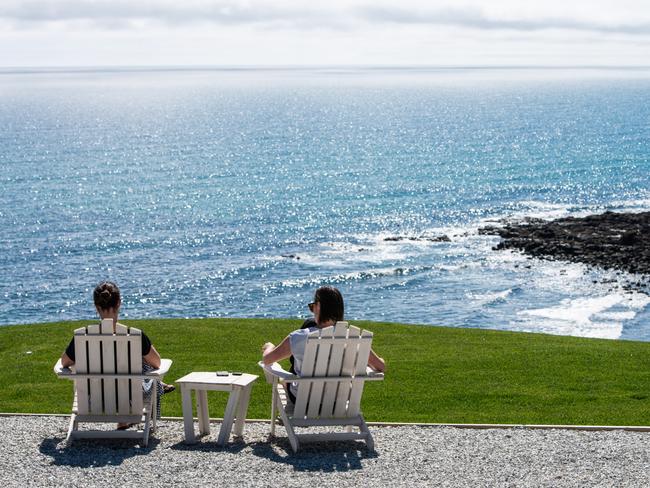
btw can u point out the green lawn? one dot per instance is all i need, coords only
(434, 374)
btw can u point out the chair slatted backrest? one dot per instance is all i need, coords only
(339, 352)
(99, 351)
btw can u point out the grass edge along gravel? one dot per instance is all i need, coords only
(434, 374)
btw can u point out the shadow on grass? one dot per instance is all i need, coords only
(87, 453)
(317, 456)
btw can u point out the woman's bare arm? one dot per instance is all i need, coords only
(153, 358)
(272, 354)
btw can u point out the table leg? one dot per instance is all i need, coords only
(242, 408)
(226, 426)
(188, 419)
(202, 411)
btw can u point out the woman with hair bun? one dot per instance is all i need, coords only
(328, 309)
(107, 303)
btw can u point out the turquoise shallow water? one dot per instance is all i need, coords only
(236, 193)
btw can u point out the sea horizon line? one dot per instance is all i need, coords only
(324, 68)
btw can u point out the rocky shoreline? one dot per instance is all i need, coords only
(619, 241)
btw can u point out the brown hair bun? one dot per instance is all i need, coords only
(106, 295)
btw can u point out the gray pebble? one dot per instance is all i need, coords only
(33, 453)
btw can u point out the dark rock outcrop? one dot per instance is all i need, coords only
(610, 240)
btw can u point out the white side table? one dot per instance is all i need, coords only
(240, 390)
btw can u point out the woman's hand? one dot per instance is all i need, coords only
(272, 354)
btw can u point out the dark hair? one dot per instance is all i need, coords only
(106, 295)
(331, 303)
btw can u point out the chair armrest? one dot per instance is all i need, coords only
(69, 373)
(165, 364)
(276, 370)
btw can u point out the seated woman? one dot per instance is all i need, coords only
(328, 309)
(107, 302)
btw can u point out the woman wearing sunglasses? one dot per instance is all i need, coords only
(327, 308)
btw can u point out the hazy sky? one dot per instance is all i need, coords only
(355, 32)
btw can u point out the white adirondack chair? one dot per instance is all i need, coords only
(108, 381)
(334, 370)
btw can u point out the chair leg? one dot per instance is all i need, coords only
(293, 438)
(147, 427)
(370, 442)
(154, 407)
(72, 427)
(274, 400)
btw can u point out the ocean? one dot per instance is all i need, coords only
(237, 192)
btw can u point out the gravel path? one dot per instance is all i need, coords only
(33, 453)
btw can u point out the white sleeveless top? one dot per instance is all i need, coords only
(297, 343)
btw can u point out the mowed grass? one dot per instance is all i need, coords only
(434, 374)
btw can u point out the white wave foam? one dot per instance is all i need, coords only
(616, 316)
(550, 211)
(353, 276)
(588, 316)
(596, 305)
(370, 249)
(486, 298)
(637, 301)
(641, 204)
(541, 210)
(465, 241)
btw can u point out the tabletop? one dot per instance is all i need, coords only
(211, 379)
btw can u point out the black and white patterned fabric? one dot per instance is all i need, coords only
(147, 386)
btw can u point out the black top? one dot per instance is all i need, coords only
(146, 347)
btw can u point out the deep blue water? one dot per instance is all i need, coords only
(237, 193)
